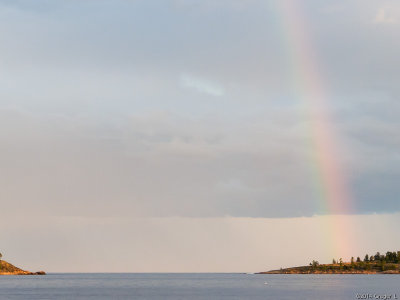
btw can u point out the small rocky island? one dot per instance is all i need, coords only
(8, 269)
(388, 263)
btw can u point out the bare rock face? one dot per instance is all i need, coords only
(8, 269)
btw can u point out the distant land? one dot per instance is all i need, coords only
(8, 269)
(388, 263)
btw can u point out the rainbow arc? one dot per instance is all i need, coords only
(333, 194)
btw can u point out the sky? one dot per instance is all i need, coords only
(194, 136)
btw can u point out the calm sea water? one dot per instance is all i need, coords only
(198, 286)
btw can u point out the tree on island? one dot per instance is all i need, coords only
(377, 256)
(314, 264)
(393, 257)
(372, 264)
(371, 258)
(352, 262)
(383, 264)
(378, 263)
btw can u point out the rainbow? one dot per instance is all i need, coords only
(333, 194)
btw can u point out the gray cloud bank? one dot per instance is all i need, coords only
(187, 108)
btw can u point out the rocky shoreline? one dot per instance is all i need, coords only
(345, 268)
(23, 273)
(290, 271)
(8, 269)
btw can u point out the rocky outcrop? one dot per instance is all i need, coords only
(345, 268)
(8, 269)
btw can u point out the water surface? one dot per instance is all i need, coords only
(198, 286)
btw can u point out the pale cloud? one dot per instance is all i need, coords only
(201, 85)
(383, 17)
(333, 8)
(143, 97)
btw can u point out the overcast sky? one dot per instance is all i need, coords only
(132, 111)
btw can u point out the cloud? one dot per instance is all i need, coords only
(201, 85)
(155, 165)
(109, 119)
(110, 106)
(163, 164)
(382, 17)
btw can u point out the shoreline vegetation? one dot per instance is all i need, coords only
(388, 263)
(8, 269)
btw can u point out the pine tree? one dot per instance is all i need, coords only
(388, 256)
(377, 256)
